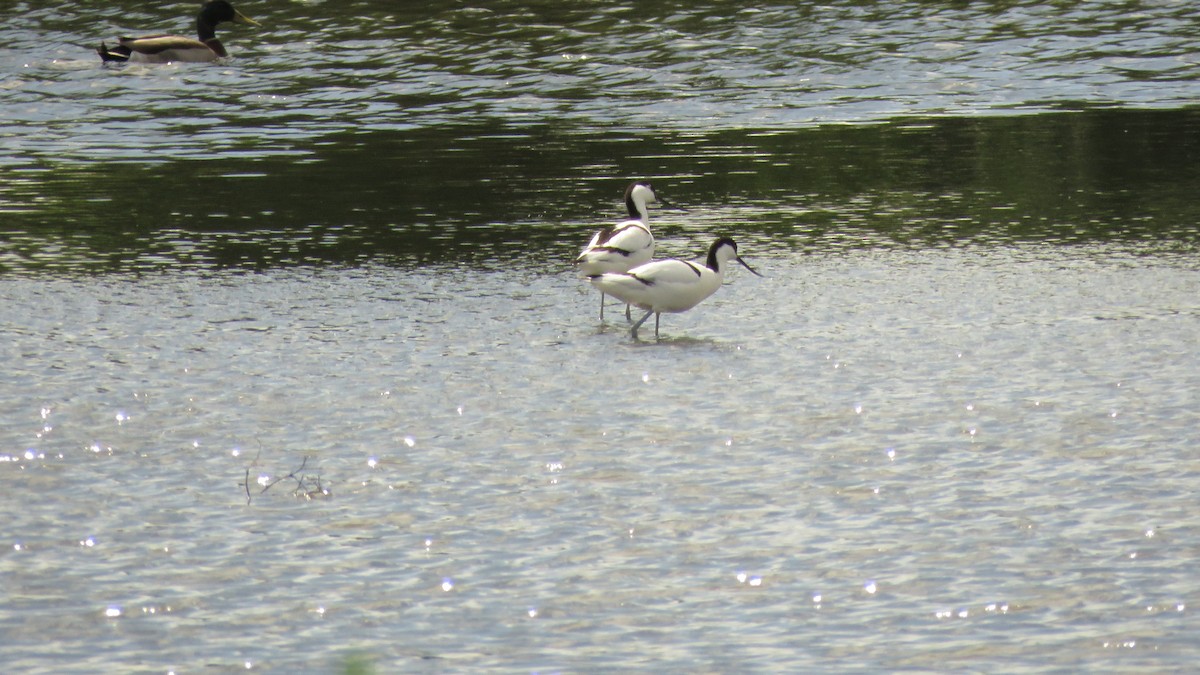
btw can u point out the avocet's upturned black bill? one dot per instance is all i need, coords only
(623, 246)
(169, 48)
(671, 286)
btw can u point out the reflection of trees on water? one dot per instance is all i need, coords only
(487, 195)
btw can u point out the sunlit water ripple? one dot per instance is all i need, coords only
(322, 69)
(297, 371)
(928, 465)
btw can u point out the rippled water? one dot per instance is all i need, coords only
(297, 374)
(962, 459)
(317, 69)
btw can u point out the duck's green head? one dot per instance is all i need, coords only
(220, 11)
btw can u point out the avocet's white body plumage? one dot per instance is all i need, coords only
(625, 245)
(670, 286)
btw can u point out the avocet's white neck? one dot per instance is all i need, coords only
(636, 199)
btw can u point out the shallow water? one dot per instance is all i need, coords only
(996, 442)
(950, 429)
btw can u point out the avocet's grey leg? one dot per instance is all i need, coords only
(641, 321)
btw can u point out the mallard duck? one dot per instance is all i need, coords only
(166, 48)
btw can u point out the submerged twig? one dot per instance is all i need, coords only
(246, 481)
(307, 485)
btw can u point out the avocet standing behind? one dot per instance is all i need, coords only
(670, 285)
(621, 247)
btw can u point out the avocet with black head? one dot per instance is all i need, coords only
(671, 286)
(623, 246)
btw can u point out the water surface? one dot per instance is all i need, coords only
(951, 429)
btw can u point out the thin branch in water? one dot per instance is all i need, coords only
(246, 481)
(307, 486)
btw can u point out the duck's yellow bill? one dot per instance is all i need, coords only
(242, 18)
